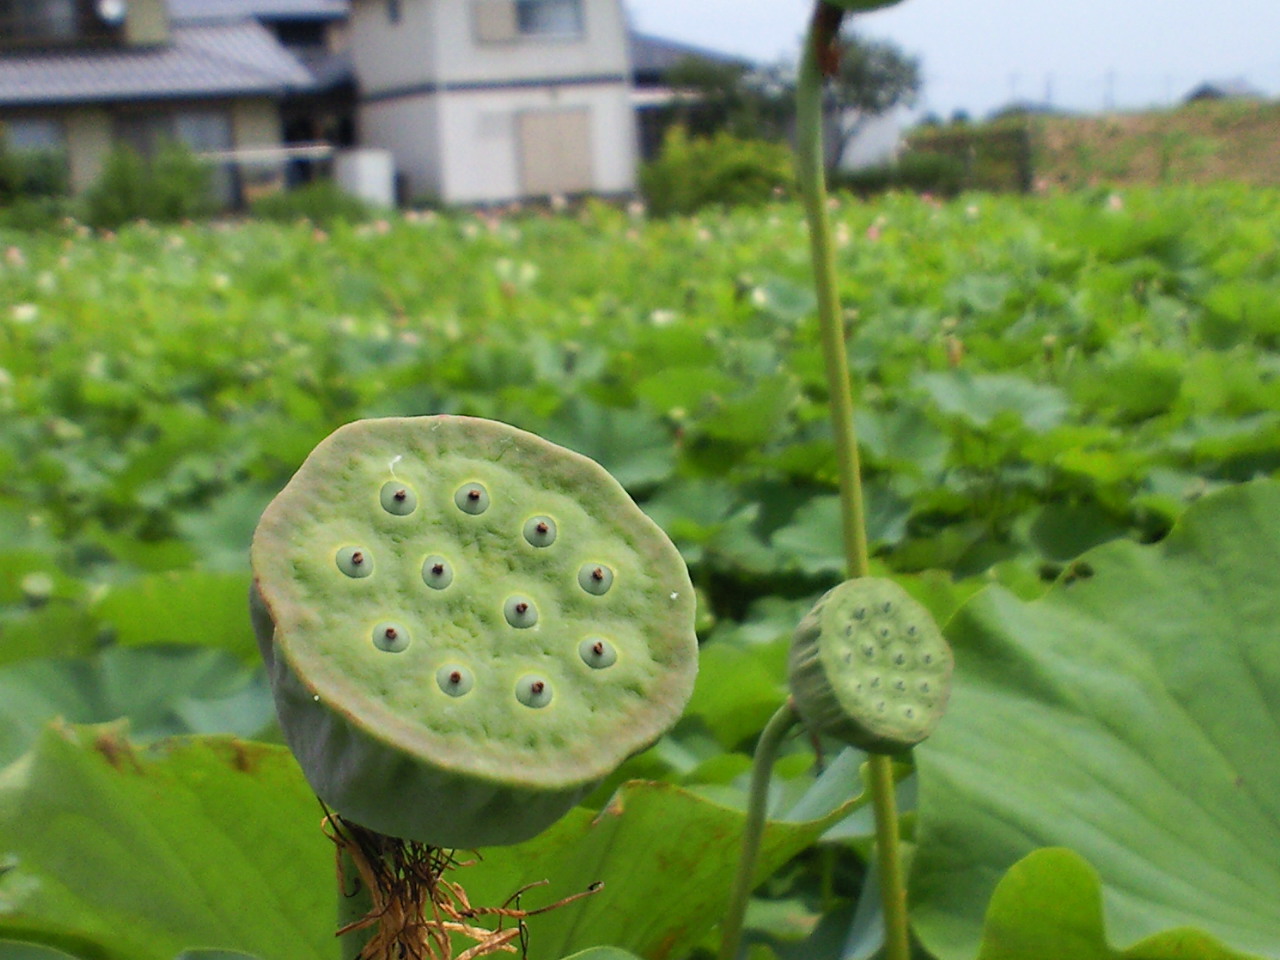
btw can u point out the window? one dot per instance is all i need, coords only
(34, 134)
(203, 131)
(38, 155)
(549, 17)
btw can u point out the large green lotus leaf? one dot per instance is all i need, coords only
(1049, 904)
(191, 607)
(1131, 716)
(666, 858)
(983, 398)
(163, 691)
(113, 854)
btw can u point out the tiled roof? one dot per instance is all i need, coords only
(202, 60)
(208, 10)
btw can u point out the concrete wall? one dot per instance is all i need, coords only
(255, 123)
(601, 50)
(448, 104)
(389, 56)
(435, 42)
(409, 128)
(482, 162)
(88, 133)
(146, 23)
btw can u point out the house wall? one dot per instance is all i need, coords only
(408, 127)
(147, 22)
(394, 56)
(88, 131)
(601, 50)
(448, 104)
(255, 122)
(483, 162)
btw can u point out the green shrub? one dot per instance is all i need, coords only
(173, 185)
(31, 213)
(919, 172)
(322, 202)
(32, 173)
(722, 170)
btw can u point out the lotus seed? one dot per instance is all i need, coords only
(596, 579)
(472, 498)
(597, 653)
(391, 637)
(900, 659)
(887, 607)
(860, 613)
(533, 691)
(436, 572)
(354, 562)
(520, 611)
(455, 680)
(540, 531)
(398, 499)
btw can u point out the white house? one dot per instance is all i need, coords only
(477, 101)
(484, 100)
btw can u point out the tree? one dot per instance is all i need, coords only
(735, 97)
(874, 77)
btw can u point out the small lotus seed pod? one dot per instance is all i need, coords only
(455, 680)
(595, 578)
(540, 531)
(472, 498)
(533, 690)
(355, 562)
(390, 637)
(437, 573)
(597, 652)
(520, 611)
(870, 667)
(397, 498)
(472, 688)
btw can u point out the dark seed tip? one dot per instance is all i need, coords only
(437, 568)
(522, 608)
(357, 558)
(473, 494)
(537, 687)
(455, 677)
(597, 574)
(542, 527)
(390, 633)
(598, 648)
(401, 494)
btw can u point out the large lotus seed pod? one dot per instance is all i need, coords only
(870, 667)
(466, 627)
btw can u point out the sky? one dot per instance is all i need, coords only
(979, 55)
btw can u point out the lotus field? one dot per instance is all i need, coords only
(1068, 413)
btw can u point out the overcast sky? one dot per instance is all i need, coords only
(981, 54)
